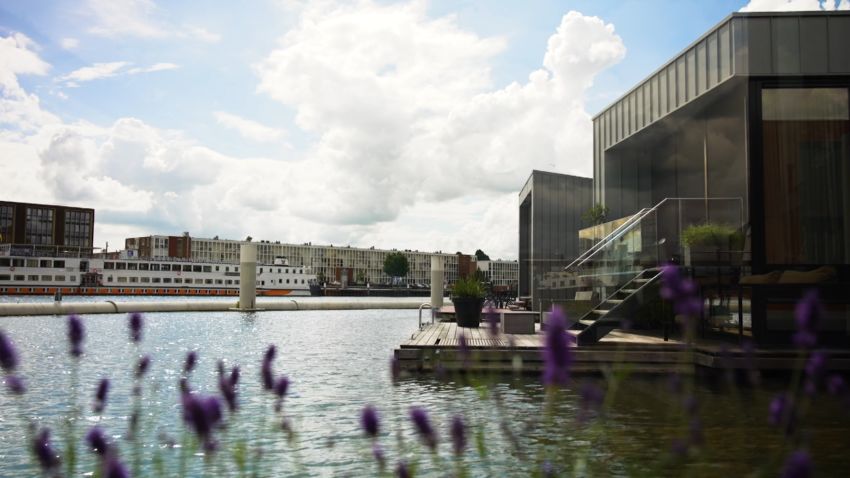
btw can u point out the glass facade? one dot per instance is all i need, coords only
(39, 226)
(7, 215)
(78, 228)
(806, 151)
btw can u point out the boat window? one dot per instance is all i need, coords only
(32, 262)
(208, 281)
(287, 281)
(121, 266)
(187, 268)
(196, 268)
(73, 278)
(236, 282)
(32, 278)
(62, 278)
(5, 277)
(228, 282)
(165, 267)
(134, 280)
(198, 281)
(18, 262)
(122, 280)
(19, 277)
(109, 265)
(157, 280)
(46, 278)
(227, 269)
(154, 267)
(109, 279)
(178, 280)
(146, 279)
(262, 282)
(143, 266)
(287, 271)
(175, 267)
(261, 270)
(216, 268)
(132, 266)
(59, 264)
(5, 262)
(44, 263)
(219, 281)
(208, 268)
(166, 280)
(236, 269)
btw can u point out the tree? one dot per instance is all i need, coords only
(481, 256)
(596, 214)
(395, 265)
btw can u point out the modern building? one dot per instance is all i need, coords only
(40, 225)
(500, 273)
(346, 264)
(751, 125)
(551, 206)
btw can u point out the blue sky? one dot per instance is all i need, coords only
(394, 124)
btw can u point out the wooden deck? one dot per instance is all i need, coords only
(436, 347)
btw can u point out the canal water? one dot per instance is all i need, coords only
(337, 362)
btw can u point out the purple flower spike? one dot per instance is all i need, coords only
(228, 391)
(369, 421)
(76, 334)
(807, 315)
(836, 385)
(423, 426)
(43, 450)
(281, 386)
(557, 357)
(458, 433)
(191, 361)
(463, 350)
(113, 468)
(266, 372)
(681, 291)
(778, 408)
(271, 352)
(100, 395)
(96, 440)
(202, 414)
(798, 465)
(16, 385)
(401, 470)
(492, 321)
(234, 375)
(378, 454)
(136, 327)
(816, 365)
(395, 369)
(143, 366)
(8, 354)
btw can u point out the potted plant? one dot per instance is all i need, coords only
(468, 298)
(708, 237)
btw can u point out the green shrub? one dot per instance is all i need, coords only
(468, 287)
(708, 234)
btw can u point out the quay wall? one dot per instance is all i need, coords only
(118, 307)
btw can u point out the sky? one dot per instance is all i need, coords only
(394, 124)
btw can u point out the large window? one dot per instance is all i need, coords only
(39, 226)
(806, 147)
(7, 215)
(78, 226)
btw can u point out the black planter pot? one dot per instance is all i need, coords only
(468, 311)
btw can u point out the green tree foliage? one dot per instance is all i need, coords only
(481, 256)
(395, 265)
(596, 214)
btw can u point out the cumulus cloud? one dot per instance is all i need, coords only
(100, 71)
(795, 5)
(20, 110)
(247, 128)
(139, 18)
(69, 43)
(404, 109)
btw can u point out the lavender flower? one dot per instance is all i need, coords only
(378, 454)
(836, 385)
(113, 468)
(369, 421)
(142, 366)
(816, 365)
(781, 413)
(458, 433)
(76, 333)
(8, 354)
(281, 386)
(191, 361)
(492, 319)
(234, 375)
(96, 440)
(15, 384)
(798, 465)
(266, 372)
(395, 369)
(136, 327)
(557, 357)
(100, 395)
(423, 426)
(43, 450)
(682, 291)
(807, 315)
(463, 350)
(227, 387)
(401, 470)
(202, 414)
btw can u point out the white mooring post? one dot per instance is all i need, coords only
(248, 277)
(438, 270)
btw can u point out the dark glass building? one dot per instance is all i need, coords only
(752, 119)
(551, 206)
(46, 225)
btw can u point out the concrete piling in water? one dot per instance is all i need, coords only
(248, 277)
(438, 271)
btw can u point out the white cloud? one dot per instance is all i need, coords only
(248, 128)
(404, 108)
(69, 43)
(20, 111)
(99, 71)
(795, 5)
(139, 18)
